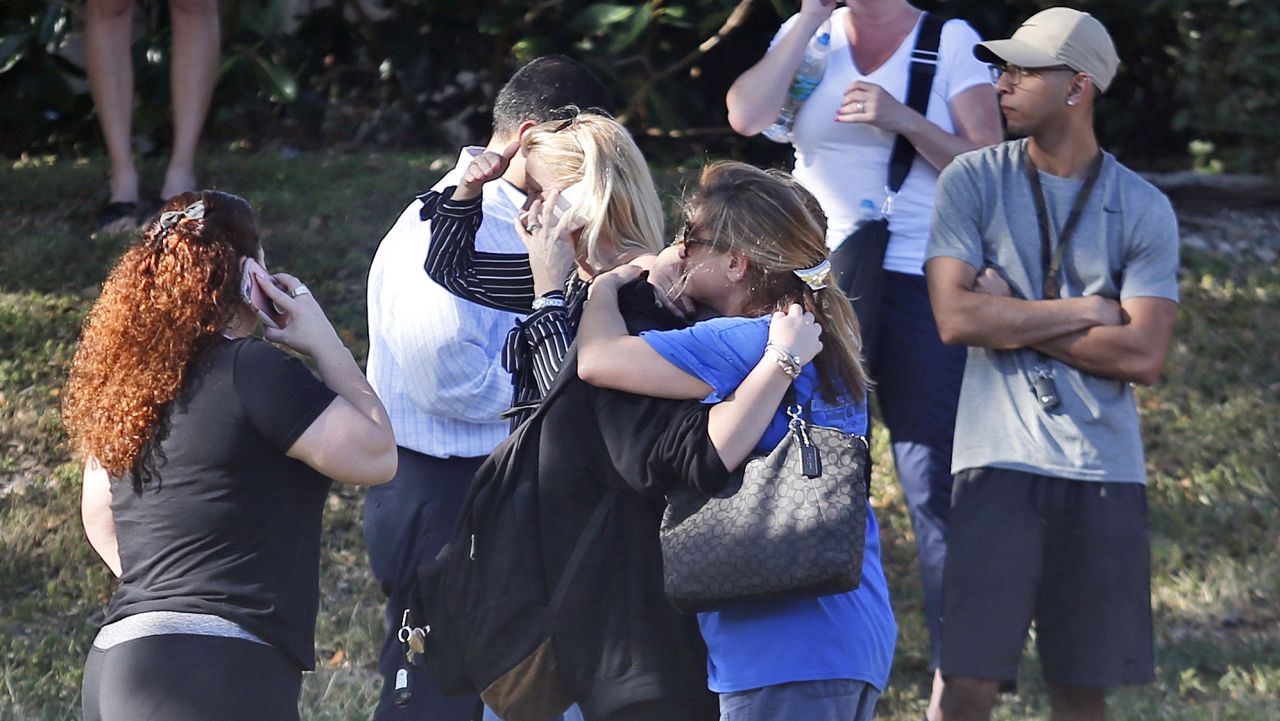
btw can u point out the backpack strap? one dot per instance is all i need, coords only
(924, 65)
(585, 543)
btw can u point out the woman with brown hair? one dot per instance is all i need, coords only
(209, 454)
(753, 247)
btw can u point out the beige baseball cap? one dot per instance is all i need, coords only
(1057, 36)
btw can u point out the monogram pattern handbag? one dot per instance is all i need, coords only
(793, 524)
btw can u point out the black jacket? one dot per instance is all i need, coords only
(617, 638)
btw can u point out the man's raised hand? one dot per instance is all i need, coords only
(487, 166)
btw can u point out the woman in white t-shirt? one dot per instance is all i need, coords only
(843, 136)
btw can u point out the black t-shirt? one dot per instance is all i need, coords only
(231, 527)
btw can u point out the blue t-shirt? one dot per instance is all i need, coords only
(842, 636)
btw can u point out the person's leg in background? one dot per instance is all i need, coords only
(108, 62)
(192, 74)
(406, 522)
(917, 388)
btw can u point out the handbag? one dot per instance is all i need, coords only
(792, 523)
(858, 264)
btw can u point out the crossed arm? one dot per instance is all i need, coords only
(1127, 340)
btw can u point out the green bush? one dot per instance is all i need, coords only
(423, 74)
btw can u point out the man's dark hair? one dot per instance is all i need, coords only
(542, 87)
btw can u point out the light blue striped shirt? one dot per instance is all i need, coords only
(435, 360)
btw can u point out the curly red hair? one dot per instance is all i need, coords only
(167, 299)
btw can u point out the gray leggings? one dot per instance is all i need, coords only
(188, 677)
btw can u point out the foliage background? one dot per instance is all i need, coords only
(405, 74)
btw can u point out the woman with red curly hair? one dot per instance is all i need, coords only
(209, 456)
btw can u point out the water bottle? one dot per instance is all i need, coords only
(803, 84)
(867, 211)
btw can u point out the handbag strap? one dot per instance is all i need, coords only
(798, 426)
(924, 65)
(792, 405)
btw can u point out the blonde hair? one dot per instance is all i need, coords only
(769, 219)
(618, 201)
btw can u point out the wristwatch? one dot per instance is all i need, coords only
(549, 300)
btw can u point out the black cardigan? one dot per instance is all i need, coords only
(618, 640)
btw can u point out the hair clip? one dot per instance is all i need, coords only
(817, 276)
(170, 218)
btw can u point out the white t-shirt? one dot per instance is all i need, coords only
(843, 163)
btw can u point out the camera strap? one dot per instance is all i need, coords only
(1051, 260)
(1041, 379)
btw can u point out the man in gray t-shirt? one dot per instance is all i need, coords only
(1061, 315)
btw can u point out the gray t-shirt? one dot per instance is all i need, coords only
(1125, 246)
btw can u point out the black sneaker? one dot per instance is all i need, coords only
(118, 217)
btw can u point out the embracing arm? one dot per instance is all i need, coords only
(497, 280)
(693, 446)
(968, 316)
(95, 512)
(1133, 352)
(737, 423)
(610, 357)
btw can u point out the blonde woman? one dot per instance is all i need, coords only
(591, 207)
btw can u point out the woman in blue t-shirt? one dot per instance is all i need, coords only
(753, 245)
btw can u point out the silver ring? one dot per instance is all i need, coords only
(532, 227)
(302, 289)
(862, 107)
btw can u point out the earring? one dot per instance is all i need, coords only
(1071, 102)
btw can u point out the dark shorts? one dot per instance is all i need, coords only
(1072, 555)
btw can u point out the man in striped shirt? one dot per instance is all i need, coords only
(435, 360)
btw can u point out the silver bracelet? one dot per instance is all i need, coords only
(789, 362)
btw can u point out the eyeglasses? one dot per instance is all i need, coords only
(687, 239)
(574, 112)
(1016, 73)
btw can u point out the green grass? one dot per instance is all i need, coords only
(1212, 430)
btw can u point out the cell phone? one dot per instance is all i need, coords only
(253, 295)
(569, 196)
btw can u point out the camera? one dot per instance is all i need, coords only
(1046, 391)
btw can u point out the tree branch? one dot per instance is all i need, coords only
(733, 22)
